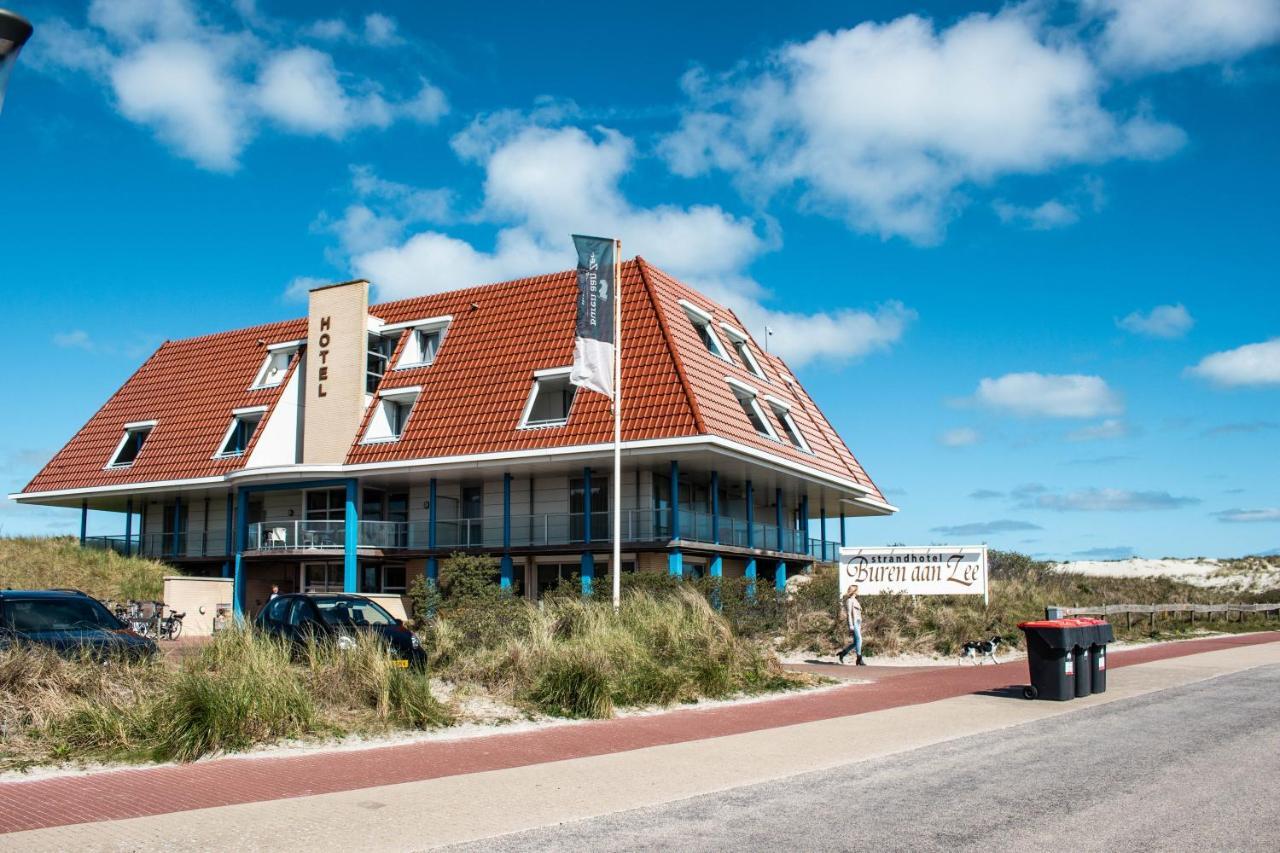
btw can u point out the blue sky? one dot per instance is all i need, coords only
(1023, 255)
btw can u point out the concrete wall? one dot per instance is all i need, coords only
(337, 342)
(198, 598)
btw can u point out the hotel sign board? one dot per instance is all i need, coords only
(922, 570)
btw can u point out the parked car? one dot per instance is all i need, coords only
(69, 622)
(339, 617)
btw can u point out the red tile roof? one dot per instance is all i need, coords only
(473, 395)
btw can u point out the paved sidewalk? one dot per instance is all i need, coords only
(115, 795)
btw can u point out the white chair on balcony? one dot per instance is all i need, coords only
(278, 537)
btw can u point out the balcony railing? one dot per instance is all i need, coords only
(527, 531)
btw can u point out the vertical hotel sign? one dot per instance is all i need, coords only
(593, 346)
(337, 343)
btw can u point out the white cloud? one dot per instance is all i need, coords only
(381, 30)
(183, 91)
(885, 125)
(378, 30)
(1251, 364)
(298, 289)
(960, 437)
(1248, 516)
(1164, 35)
(74, 339)
(1049, 395)
(1107, 500)
(1110, 428)
(1043, 217)
(543, 183)
(1163, 321)
(977, 528)
(205, 88)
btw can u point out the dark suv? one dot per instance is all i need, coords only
(69, 622)
(338, 617)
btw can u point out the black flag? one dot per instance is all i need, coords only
(593, 348)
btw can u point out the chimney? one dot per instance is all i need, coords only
(337, 342)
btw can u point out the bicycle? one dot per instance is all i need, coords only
(171, 626)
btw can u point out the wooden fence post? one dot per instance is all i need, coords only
(1128, 619)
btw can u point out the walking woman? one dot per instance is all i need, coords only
(853, 609)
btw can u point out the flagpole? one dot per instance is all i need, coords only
(617, 425)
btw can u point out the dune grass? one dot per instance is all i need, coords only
(242, 690)
(53, 562)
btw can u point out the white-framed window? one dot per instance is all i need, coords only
(742, 346)
(382, 344)
(135, 435)
(782, 411)
(391, 414)
(235, 441)
(275, 366)
(550, 399)
(748, 399)
(702, 324)
(423, 341)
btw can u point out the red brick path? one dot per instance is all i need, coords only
(116, 794)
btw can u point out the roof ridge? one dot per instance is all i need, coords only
(643, 266)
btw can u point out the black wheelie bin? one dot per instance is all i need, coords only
(1050, 658)
(1102, 635)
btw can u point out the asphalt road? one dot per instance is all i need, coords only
(1195, 767)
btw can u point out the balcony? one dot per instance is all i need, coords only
(533, 531)
(543, 530)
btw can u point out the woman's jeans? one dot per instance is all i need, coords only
(856, 645)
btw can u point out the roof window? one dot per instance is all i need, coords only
(747, 399)
(275, 366)
(782, 411)
(701, 321)
(550, 399)
(243, 424)
(391, 415)
(381, 345)
(135, 435)
(425, 337)
(739, 341)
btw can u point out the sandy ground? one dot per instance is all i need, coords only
(1249, 575)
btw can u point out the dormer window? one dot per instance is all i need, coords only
(275, 366)
(747, 399)
(782, 411)
(550, 399)
(738, 340)
(701, 321)
(135, 435)
(381, 346)
(423, 343)
(238, 435)
(391, 415)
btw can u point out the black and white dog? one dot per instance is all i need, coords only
(980, 651)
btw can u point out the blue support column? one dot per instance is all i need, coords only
(242, 539)
(804, 524)
(508, 568)
(777, 506)
(433, 564)
(751, 541)
(351, 541)
(588, 571)
(675, 559)
(128, 526)
(780, 576)
(822, 532)
(717, 563)
(229, 523)
(84, 520)
(175, 543)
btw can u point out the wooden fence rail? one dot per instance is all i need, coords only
(1192, 610)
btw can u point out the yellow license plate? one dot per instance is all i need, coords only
(403, 664)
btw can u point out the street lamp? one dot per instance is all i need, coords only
(14, 32)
